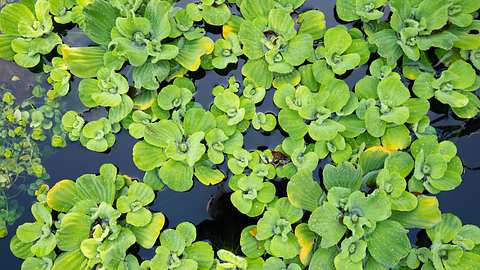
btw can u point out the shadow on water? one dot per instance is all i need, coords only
(209, 207)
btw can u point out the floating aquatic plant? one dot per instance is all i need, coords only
(27, 32)
(387, 160)
(90, 231)
(23, 124)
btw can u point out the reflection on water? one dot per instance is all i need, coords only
(20, 79)
(209, 207)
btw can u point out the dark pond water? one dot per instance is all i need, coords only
(209, 207)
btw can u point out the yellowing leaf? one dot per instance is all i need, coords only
(306, 240)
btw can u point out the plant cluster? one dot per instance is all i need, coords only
(387, 162)
(22, 125)
(90, 222)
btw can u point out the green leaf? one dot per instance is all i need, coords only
(303, 192)
(83, 62)
(207, 175)
(157, 12)
(243, 205)
(426, 214)
(72, 259)
(324, 221)
(150, 75)
(33, 263)
(292, 123)
(6, 51)
(197, 119)
(172, 96)
(435, 13)
(249, 244)
(325, 131)
(251, 37)
(468, 261)
(369, 205)
(392, 92)
(162, 133)
(423, 86)
(374, 124)
(417, 108)
(257, 71)
(20, 249)
(323, 259)
(139, 218)
(281, 23)
(449, 181)
(471, 109)
(299, 49)
(177, 175)
(337, 40)
(12, 15)
(253, 9)
(312, 22)
(346, 10)
(405, 202)
(172, 240)
(387, 44)
(286, 249)
(99, 19)
(152, 179)
(389, 243)
(446, 230)
(29, 232)
(86, 89)
(464, 74)
(343, 175)
(195, 148)
(227, 101)
(216, 15)
(62, 195)
(305, 161)
(396, 138)
(120, 112)
(97, 189)
(399, 162)
(73, 230)
(141, 192)
(188, 232)
(452, 98)
(147, 157)
(190, 52)
(202, 253)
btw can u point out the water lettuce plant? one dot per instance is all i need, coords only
(226, 51)
(388, 106)
(251, 194)
(89, 231)
(343, 50)
(417, 26)
(437, 168)
(94, 224)
(176, 149)
(453, 246)
(27, 32)
(352, 179)
(97, 135)
(178, 250)
(365, 10)
(453, 87)
(274, 46)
